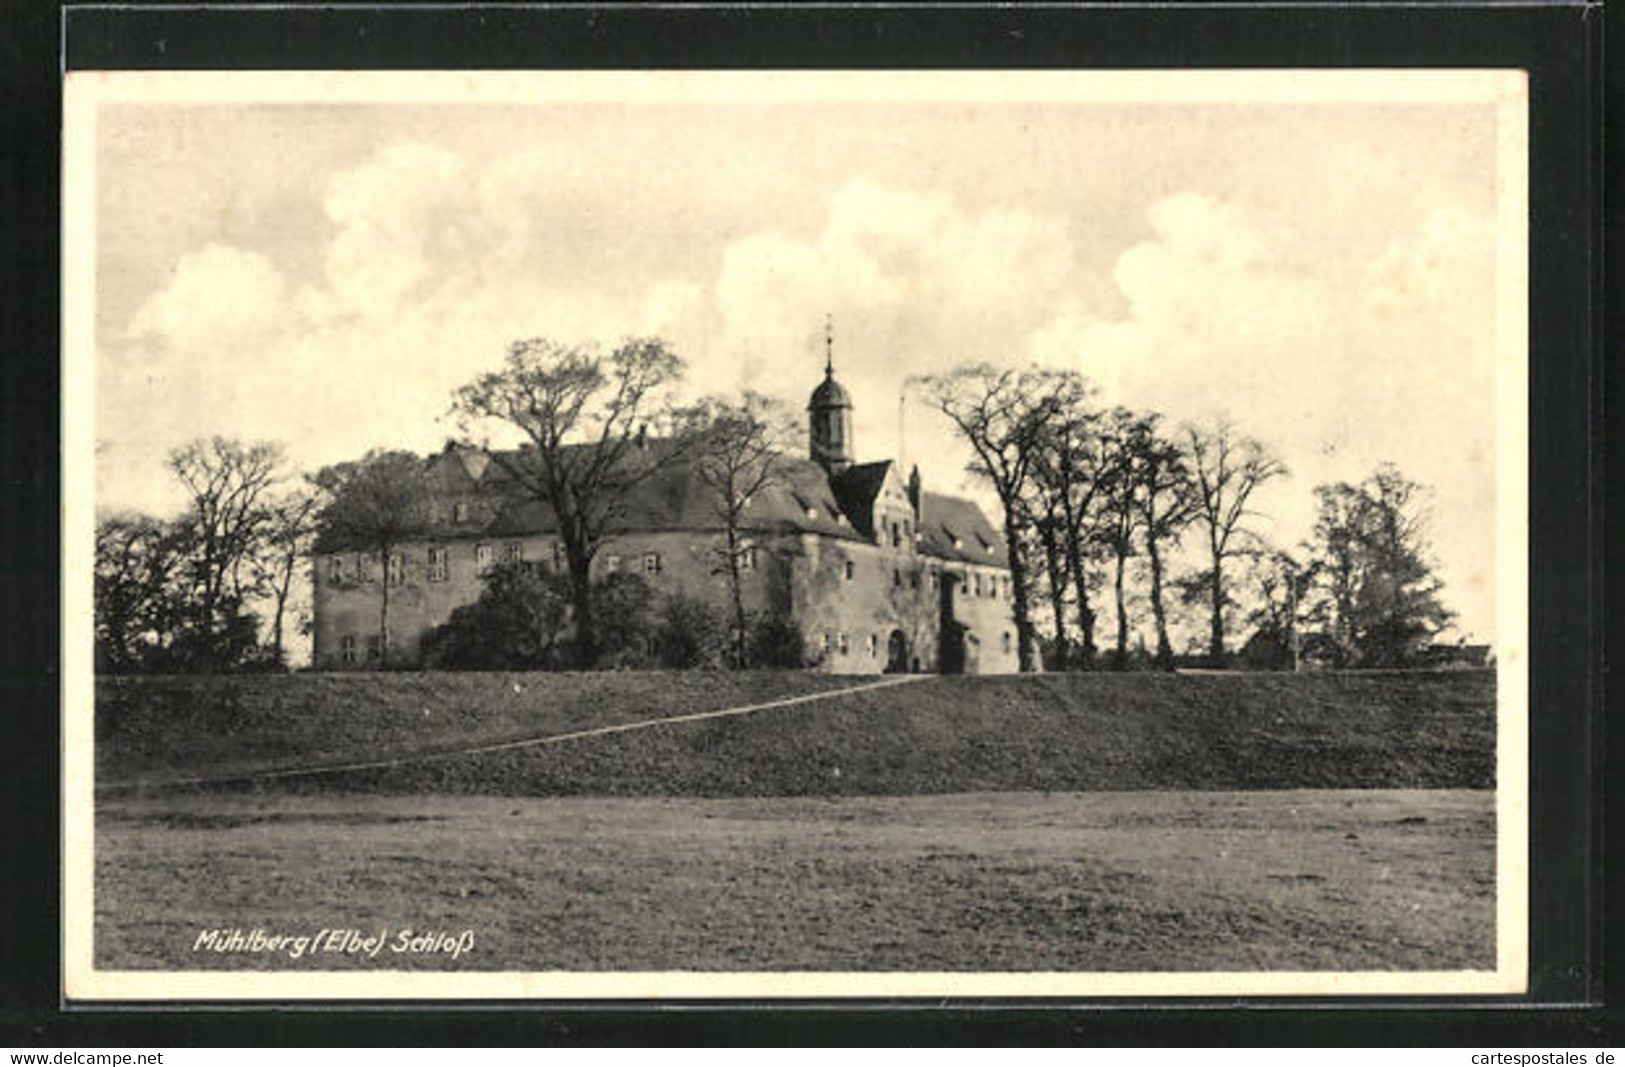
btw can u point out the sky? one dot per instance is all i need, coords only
(325, 274)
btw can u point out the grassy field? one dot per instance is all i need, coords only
(1058, 733)
(1103, 881)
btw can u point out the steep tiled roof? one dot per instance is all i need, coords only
(954, 528)
(855, 490)
(802, 499)
(799, 500)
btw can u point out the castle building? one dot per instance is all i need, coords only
(880, 574)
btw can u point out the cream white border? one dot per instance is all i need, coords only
(85, 92)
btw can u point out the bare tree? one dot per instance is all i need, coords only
(1166, 505)
(739, 454)
(287, 536)
(1045, 521)
(584, 416)
(1067, 492)
(376, 504)
(1225, 470)
(1003, 414)
(226, 481)
(139, 607)
(1118, 518)
(1282, 586)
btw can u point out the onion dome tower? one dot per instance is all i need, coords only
(829, 416)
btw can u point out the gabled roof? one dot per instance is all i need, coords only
(855, 490)
(954, 528)
(802, 499)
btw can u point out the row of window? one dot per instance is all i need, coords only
(649, 563)
(993, 587)
(839, 641)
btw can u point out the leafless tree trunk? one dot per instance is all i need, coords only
(584, 416)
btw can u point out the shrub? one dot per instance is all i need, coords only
(623, 607)
(775, 640)
(519, 622)
(692, 633)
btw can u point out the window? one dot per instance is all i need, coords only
(459, 511)
(936, 578)
(335, 569)
(823, 642)
(363, 567)
(747, 558)
(482, 558)
(514, 552)
(372, 648)
(559, 557)
(1007, 642)
(651, 563)
(612, 563)
(896, 535)
(976, 584)
(845, 648)
(896, 578)
(437, 564)
(874, 645)
(397, 568)
(913, 579)
(347, 648)
(850, 570)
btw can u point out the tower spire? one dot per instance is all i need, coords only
(829, 413)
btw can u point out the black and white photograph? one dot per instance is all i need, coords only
(795, 534)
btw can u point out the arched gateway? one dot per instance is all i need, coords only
(897, 653)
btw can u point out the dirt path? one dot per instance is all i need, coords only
(422, 755)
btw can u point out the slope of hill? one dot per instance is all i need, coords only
(937, 735)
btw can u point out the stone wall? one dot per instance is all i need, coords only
(847, 615)
(348, 606)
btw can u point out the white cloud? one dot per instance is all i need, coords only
(216, 297)
(433, 267)
(1337, 369)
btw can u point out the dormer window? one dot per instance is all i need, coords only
(459, 511)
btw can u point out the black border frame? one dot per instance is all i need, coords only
(1560, 45)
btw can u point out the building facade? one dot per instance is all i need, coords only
(879, 574)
